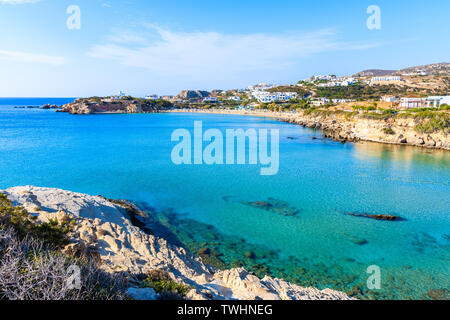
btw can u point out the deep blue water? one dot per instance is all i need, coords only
(128, 157)
(34, 101)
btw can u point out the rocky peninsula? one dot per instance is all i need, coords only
(114, 232)
(97, 105)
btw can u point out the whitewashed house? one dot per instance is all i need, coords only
(210, 100)
(428, 102)
(269, 97)
(152, 97)
(386, 79)
(392, 99)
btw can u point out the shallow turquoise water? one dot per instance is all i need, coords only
(128, 157)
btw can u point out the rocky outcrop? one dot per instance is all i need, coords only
(112, 232)
(97, 105)
(382, 217)
(50, 106)
(193, 94)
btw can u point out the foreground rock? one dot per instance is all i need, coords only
(105, 229)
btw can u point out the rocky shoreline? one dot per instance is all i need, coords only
(343, 129)
(114, 231)
(391, 131)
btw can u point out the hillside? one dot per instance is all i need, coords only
(431, 69)
(375, 73)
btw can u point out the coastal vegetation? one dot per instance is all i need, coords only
(33, 267)
(52, 233)
(362, 92)
(167, 288)
(301, 91)
(433, 122)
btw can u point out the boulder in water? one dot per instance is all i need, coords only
(383, 217)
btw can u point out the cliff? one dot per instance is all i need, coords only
(193, 94)
(390, 130)
(109, 230)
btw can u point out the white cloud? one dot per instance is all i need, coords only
(31, 57)
(197, 54)
(17, 1)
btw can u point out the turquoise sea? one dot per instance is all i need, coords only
(217, 209)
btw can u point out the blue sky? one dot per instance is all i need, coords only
(145, 47)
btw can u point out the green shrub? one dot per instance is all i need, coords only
(376, 116)
(388, 130)
(52, 233)
(434, 123)
(389, 112)
(161, 282)
(29, 270)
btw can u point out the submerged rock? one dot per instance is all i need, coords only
(274, 205)
(439, 294)
(271, 205)
(377, 216)
(356, 240)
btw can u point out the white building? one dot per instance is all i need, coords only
(389, 99)
(319, 102)
(438, 101)
(342, 100)
(210, 100)
(152, 97)
(341, 82)
(323, 78)
(386, 79)
(260, 87)
(416, 73)
(269, 97)
(235, 98)
(429, 102)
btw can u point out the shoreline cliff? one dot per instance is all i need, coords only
(340, 127)
(114, 232)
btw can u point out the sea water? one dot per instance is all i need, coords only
(217, 209)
